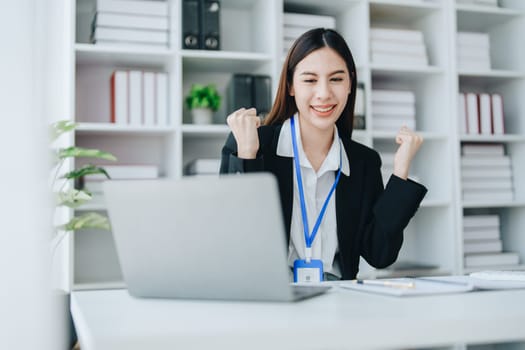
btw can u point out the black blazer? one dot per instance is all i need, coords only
(370, 219)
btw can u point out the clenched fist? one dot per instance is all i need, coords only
(409, 143)
(243, 124)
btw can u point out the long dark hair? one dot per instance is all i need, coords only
(284, 106)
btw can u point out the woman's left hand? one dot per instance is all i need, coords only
(409, 143)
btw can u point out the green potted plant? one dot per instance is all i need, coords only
(202, 101)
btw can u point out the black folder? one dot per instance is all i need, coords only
(262, 94)
(210, 13)
(240, 92)
(191, 34)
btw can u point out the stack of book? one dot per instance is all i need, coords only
(391, 109)
(486, 173)
(481, 113)
(473, 51)
(398, 47)
(93, 183)
(203, 167)
(131, 23)
(482, 246)
(295, 24)
(139, 98)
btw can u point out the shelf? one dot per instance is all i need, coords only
(93, 54)
(493, 204)
(402, 11)
(468, 270)
(429, 203)
(332, 7)
(494, 76)
(100, 285)
(105, 128)
(480, 18)
(426, 135)
(205, 130)
(405, 72)
(223, 61)
(492, 138)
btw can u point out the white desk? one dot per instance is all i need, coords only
(111, 319)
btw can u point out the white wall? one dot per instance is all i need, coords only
(27, 315)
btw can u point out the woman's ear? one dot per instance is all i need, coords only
(291, 89)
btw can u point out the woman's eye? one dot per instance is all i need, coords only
(309, 80)
(337, 79)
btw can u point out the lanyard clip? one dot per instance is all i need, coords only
(308, 254)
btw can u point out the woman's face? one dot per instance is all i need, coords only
(321, 85)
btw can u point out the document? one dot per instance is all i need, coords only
(408, 286)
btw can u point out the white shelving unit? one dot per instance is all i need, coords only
(251, 32)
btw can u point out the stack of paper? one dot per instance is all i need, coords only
(131, 23)
(392, 109)
(295, 24)
(473, 51)
(398, 47)
(486, 173)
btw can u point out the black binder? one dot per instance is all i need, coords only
(240, 92)
(262, 94)
(191, 35)
(210, 13)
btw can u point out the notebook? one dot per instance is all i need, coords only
(203, 238)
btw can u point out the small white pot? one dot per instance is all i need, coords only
(202, 115)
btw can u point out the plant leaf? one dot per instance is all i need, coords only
(73, 198)
(60, 127)
(88, 169)
(87, 220)
(84, 152)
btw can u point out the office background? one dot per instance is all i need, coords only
(53, 64)
(253, 38)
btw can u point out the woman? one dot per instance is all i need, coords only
(334, 205)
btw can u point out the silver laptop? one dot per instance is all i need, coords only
(203, 238)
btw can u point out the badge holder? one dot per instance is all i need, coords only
(307, 270)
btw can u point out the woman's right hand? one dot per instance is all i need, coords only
(243, 124)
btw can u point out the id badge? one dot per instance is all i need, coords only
(308, 272)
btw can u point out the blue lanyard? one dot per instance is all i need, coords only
(309, 238)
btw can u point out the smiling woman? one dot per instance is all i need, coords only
(333, 200)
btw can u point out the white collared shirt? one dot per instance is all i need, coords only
(316, 189)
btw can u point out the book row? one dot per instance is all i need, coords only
(481, 113)
(139, 98)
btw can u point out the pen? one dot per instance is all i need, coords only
(393, 284)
